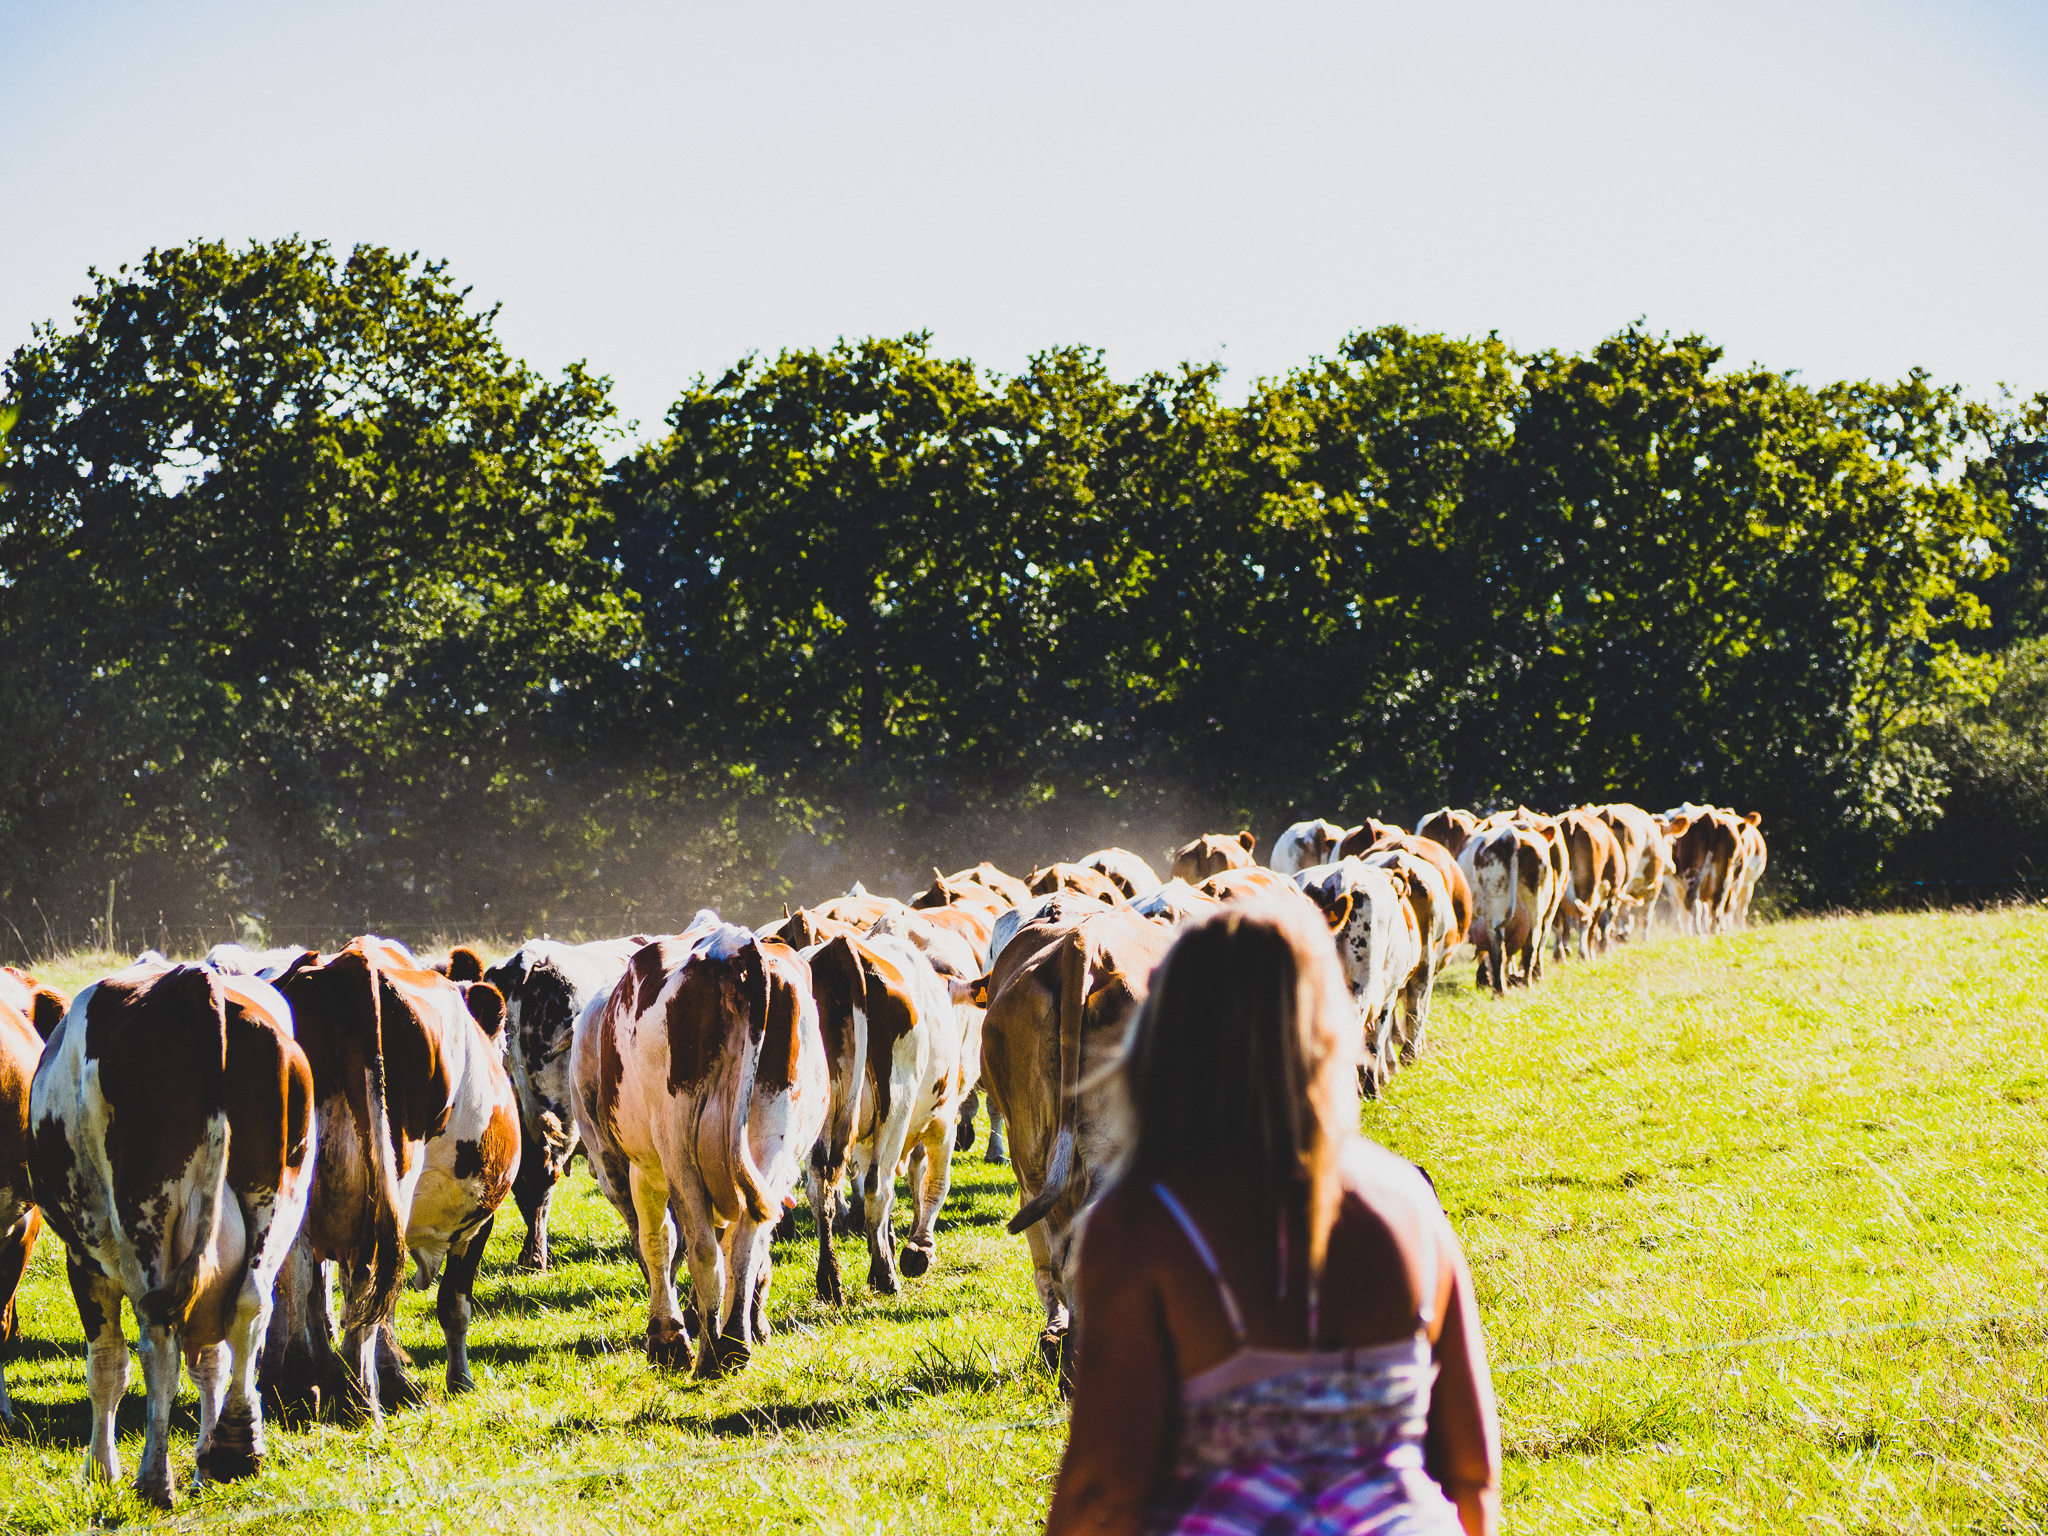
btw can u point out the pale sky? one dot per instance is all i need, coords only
(1846, 189)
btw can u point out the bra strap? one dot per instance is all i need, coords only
(1425, 1308)
(1202, 1251)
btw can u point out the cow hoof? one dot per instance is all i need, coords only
(881, 1279)
(459, 1384)
(722, 1357)
(915, 1261)
(530, 1263)
(995, 1152)
(157, 1490)
(1050, 1347)
(230, 1464)
(785, 1229)
(395, 1390)
(963, 1136)
(669, 1351)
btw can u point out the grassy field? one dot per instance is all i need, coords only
(1821, 1128)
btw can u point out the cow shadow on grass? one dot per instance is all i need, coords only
(29, 1347)
(512, 1300)
(67, 1424)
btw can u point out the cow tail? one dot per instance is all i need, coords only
(747, 1174)
(851, 1059)
(172, 1304)
(387, 1247)
(1073, 1002)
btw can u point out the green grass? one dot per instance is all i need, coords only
(1818, 1125)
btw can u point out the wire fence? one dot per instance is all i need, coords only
(820, 1449)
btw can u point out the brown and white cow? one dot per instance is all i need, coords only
(173, 1154)
(1305, 845)
(419, 1144)
(1059, 1001)
(1211, 854)
(1077, 878)
(701, 1087)
(1645, 858)
(547, 985)
(898, 1048)
(1451, 828)
(29, 1013)
(1380, 947)
(1252, 883)
(945, 891)
(1012, 890)
(1458, 919)
(1595, 876)
(1420, 884)
(1703, 856)
(1514, 889)
(1173, 903)
(1752, 855)
(1128, 872)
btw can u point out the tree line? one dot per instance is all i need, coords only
(318, 610)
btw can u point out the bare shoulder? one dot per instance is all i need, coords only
(1391, 1188)
(1376, 1175)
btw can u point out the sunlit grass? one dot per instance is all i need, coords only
(1813, 1126)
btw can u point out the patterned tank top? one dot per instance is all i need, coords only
(1323, 1441)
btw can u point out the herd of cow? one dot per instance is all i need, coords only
(220, 1144)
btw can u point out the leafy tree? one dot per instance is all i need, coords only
(300, 613)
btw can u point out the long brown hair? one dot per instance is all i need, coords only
(1237, 1060)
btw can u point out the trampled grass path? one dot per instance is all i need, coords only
(1800, 1136)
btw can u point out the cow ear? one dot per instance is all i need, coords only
(47, 1010)
(1247, 841)
(1677, 825)
(977, 990)
(1753, 817)
(486, 1006)
(1340, 914)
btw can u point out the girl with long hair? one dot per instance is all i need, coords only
(1276, 1326)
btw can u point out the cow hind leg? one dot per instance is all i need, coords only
(236, 1449)
(931, 1180)
(159, 1350)
(668, 1342)
(209, 1366)
(533, 1189)
(454, 1301)
(745, 1321)
(395, 1384)
(708, 1280)
(298, 1364)
(824, 1193)
(106, 1372)
(878, 1196)
(1048, 1281)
